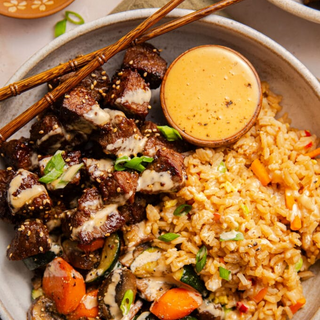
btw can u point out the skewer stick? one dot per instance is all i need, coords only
(21, 86)
(103, 56)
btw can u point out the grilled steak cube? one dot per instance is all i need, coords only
(18, 153)
(121, 137)
(134, 212)
(98, 170)
(48, 134)
(5, 213)
(27, 196)
(119, 187)
(81, 112)
(92, 219)
(129, 93)
(31, 238)
(146, 59)
(97, 82)
(165, 174)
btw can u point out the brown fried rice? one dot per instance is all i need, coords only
(236, 200)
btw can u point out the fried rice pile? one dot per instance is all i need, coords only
(279, 222)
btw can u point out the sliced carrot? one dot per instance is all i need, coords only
(296, 223)
(64, 285)
(175, 304)
(216, 216)
(92, 246)
(300, 303)
(261, 172)
(313, 153)
(260, 295)
(88, 307)
(289, 199)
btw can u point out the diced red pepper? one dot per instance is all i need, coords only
(307, 133)
(242, 307)
(309, 145)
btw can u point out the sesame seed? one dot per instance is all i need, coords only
(115, 129)
(95, 82)
(2, 155)
(145, 74)
(112, 96)
(41, 132)
(41, 249)
(92, 87)
(68, 160)
(93, 75)
(41, 234)
(118, 82)
(67, 96)
(120, 73)
(103, 72)
(104, 78)
(131, 62)
(50, 86)
(149, 107)
(101, 91)
(9, 168)
(118, 189)
(117, 87)
(55, 127)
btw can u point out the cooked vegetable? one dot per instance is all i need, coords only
(188, 276)
(314, 153)
(39, 260)
(136, 163)
(109, 257)
(79, 20)
(88, 307)
(175, 304)
(112, 292)
(222, 168)
(169, 133)
(299, 264)
(261, 172)
(182, 210)
(242, 307)
(60, 28)
(36, 293)
(92, 246)
(126, 302)
(54, 168)
(300, 303)
(201, 258)
(43, 309)
(296, 223)
(231, 235)
(260, 295)
(224, 273)
(289, 198)
(64, 285)
(167, 237)
(66, 177)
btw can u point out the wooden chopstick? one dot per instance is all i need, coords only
(103, 56)
(17, 88)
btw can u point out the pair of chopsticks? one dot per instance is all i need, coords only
(92, 61)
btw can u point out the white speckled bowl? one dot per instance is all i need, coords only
(286, 75)
(299, 9)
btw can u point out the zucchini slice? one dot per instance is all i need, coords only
(188, 276)
(36, 293)
(109, 257)
(39, 260)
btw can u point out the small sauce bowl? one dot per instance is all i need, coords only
(212, 95)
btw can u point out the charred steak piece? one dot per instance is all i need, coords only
(18, 153)
(98, 170)
(165, 174)
(27, 196)
(146, 59)
(119, 187)
(48, 134)
(5, 213)
(134, 212)
(121, 137)
(92, 219)
(129, 93)
(30, 238)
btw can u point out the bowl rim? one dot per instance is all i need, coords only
(217, 20)
(298, 9)
(216, 142)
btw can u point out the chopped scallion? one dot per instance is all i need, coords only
(126, 302)
(51, 176)
(299, 264)
(56, 162)
(225, 274)
(201, 258)
(169, 133)
(60, 28)
(222, 167)
(244, 209)
(167, 237)
(182, 210)
(231, 235)
(79, 20)
(119, 164)
(135, 163)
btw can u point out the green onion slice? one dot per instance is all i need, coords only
(169, 133)
(126, 302)
(225, 274)
(56, 162)
(135, 163)
(244, 209)
(79, 20)
(119, 164)
(222, 167)
(299, 264)
(231, 235)
(67, 176)
(60, 28)
(201, 258)
(169, 237)
(51, 176)
(182, 210)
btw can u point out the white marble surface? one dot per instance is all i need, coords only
(19, 39)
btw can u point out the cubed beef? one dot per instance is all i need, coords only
(98, 170)
(121, 137)
(92, 219)
(165, 174)
(119, 187)
(134, 212)
(81, 112)
(129, 93)
(146, 59)
(48, 134)
(27, 196)
(5, 213)
(18, 153)
(30, 238)
(97, 82)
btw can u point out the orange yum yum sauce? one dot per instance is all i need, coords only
(211, 93)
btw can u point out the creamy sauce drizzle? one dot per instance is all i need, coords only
(128, 146)
(138, 96)
(97, 116)
(151, 180)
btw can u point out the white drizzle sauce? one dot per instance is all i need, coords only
(144, 258)
(90, 302)
(96, 220)
(110, 296)
(97, 116)
(128, 146)
(138, 96)
(97, 167)
(17, 202)
(151, 180)
(49, 134)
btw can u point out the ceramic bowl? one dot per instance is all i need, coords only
(286, 75)
(298, 8)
